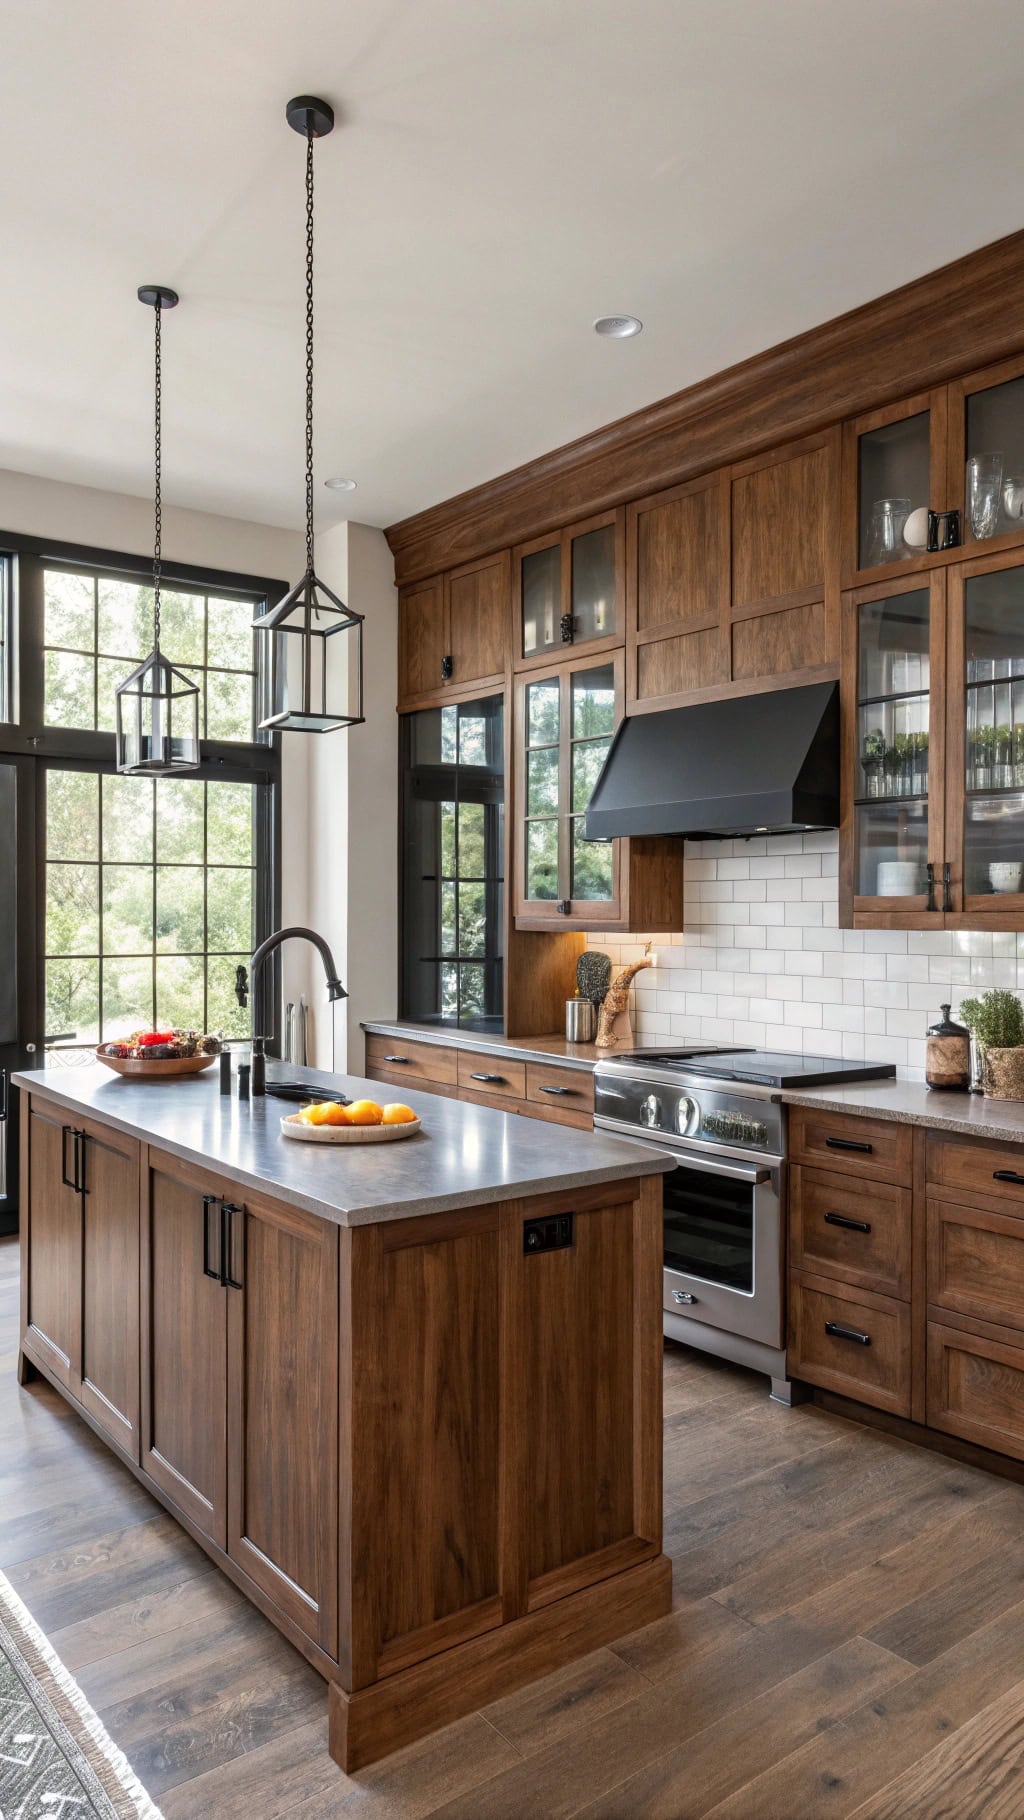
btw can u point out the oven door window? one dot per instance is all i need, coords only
(709, 1228)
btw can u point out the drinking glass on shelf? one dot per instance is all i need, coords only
(984, 492)
(888, 517)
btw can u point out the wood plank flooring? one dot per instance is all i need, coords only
(847, 1638)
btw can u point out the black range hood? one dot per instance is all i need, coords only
(753, 764)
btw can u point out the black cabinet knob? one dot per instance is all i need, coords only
(447, 667)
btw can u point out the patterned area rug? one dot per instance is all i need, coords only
(56, 1760)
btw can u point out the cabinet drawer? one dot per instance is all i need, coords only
(978, 1168)
(976, 1388)
(561, 1089)
(396, 1056)
(976, 1262)
(875, 1148)
(492, 1074)
(850, 1341)
(858, 1231)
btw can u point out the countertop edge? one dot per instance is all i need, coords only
(648, 1162)
(932, 1116)
(514, 1049)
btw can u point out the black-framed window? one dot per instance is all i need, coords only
(148, 893)
(453, 847)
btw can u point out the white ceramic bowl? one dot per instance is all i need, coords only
(292, 1127)
(1005, 875)
(899, 878)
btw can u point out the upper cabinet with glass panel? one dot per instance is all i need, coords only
(986, 456)
(568, 590)
(986, 738)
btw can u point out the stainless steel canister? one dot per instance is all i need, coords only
(580, 1020)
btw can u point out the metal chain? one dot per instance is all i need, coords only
(309, 346)
(157, 526)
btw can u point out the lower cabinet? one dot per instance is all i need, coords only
(976, 1387)
(851, 1341)
(240, 1382)
(81, 1284)
(540, 1090)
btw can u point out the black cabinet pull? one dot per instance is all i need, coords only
(947, 887)
(558, 1089)
(68, 1181)
(930, 903)
(447, 667)
(81, 1140)
(839, 1332)
(564, 906)
(840, 1219)
(3, 1095)
(227, 1213)
(500, 1078)
(209, 1202)
(848, 1144)
(404, 1059)
(1008, 1175)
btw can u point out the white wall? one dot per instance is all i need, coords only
(763, 960)
(352, 798)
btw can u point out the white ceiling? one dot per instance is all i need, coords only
(732, 171)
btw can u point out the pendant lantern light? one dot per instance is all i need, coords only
(157, 706)
(309, 700)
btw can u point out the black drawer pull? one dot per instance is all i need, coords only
(209, 1202)
(840, 1219)
(1008, 1175)
(500, 1078)
(839, 1332)
(397, 1058)
(849, 1144)
(558, 1090)
(69, 1181)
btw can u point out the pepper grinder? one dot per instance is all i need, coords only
(948, 1054)
(259, 1066)
(243, 1080)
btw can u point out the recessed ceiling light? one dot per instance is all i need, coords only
(341, 486)
(619, 327)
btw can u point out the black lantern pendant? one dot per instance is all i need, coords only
(311, 701)
(157, 706)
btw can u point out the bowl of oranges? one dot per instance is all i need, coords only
(360, 1122)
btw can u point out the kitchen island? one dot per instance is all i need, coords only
(406, 1395)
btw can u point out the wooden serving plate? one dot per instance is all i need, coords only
(293, 1127)
(163, 1069)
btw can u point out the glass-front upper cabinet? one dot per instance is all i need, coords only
(566, 719)
(894, 488)
(986, 455)
(893, 648)
(986, 738)
(568, 589)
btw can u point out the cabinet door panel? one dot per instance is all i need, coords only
(781, 644)
(283, 1426)
(184, 1338)
(782, 514)
(986, 413)
(54, 1250)
(894, 465)
(478, 620)
(422, 639)
(976, 1388)
(670, 667)
(985, 740)
(110, 1298)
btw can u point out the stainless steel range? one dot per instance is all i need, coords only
(718, 1110)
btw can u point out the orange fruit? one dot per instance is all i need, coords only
(364, 1112)
(320, 1113)
(305, 1116)
(397, 1114)
(333, 1114)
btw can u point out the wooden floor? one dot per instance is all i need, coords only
(848, 1637)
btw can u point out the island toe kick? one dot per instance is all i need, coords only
(428, 1448)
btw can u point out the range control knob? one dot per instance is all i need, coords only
(687, 1115)
(650, 1112)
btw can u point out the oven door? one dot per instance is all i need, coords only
(724, 1246)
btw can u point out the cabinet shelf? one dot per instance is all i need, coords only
(888, 802)
(874, 701)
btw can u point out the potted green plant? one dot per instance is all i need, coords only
(996, 1022)
(920, 763)
(872, 758)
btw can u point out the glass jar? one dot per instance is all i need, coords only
(948, 1055)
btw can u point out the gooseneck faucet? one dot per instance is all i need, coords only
(335, 989)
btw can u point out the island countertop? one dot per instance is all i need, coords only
(465, 1155)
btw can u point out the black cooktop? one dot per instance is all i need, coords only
(762, 1067)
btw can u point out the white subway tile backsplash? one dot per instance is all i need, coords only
(762, 960)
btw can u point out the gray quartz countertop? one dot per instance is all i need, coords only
(464, 1155)
(553, 1049)
(912, 1103)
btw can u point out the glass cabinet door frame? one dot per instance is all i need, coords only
(941, 497)
(535, 913)
(989, 910)
(857, 910)
(563, 540)
(960, 390)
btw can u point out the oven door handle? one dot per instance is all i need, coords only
(737, 1172)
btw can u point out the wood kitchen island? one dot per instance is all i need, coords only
(421, 1432)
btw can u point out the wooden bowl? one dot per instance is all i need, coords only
(165, 1068)
(292, 1127)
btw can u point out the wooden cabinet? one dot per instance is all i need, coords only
(560, 1094)
(851, 1341)
(836, 1229)
(568, 589)
(80, 1287)
(239, 1383)
(453, 632)
(785, 574)
(976, 1386)
(677, 594)
(564, 722)
(933, 748)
